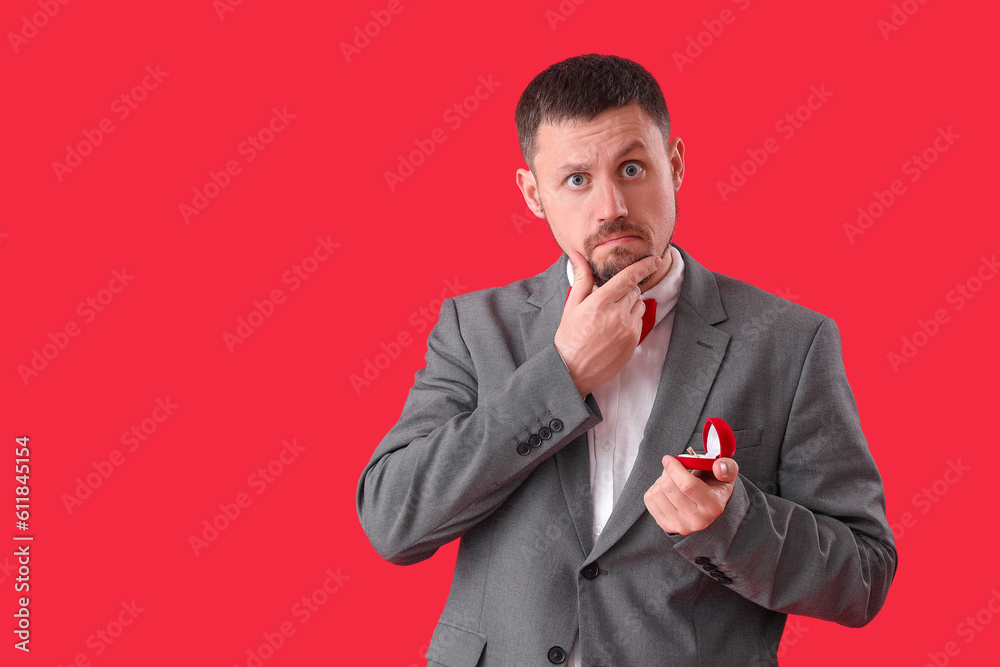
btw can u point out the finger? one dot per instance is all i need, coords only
(631, 296)
(662, 510)
(678, 496)
(725, 470)
(635, 311)
(688, 485)
(583, 279)
(628, 278)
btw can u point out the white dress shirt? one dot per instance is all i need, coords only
(625, 402)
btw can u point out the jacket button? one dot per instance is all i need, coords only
(717, 574)
(724, 580)
(523, 449)
(556, 425)
(557, 655)
(534, 440)
(545, 433)
(709, 567)
(591, 571)
(701, 560)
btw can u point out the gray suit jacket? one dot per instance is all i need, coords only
(804, 532)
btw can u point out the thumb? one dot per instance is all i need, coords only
(725, 470)
(583, 279)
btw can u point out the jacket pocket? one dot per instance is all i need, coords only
(747, 438)
(452, 646)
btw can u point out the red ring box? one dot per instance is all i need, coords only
(719, 442)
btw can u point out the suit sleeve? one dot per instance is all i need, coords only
(821, 546)
(452, 458)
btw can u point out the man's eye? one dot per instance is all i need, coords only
(631, 169)
(576, 181)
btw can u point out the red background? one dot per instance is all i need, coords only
(455, 218)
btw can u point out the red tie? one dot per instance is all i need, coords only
(648, 316)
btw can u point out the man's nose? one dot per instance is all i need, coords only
(611, 201)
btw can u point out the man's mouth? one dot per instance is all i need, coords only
(617, 239)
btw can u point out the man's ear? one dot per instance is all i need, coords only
(529, 188)
(676, 155)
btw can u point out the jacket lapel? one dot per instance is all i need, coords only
(693, 358)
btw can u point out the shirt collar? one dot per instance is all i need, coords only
(666, 292)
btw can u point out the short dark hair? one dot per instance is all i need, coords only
(581, 88)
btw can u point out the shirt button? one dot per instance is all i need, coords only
(598, 529)
(606, 446)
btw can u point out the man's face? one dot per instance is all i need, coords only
(607, 188)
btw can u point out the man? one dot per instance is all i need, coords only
(542, 429)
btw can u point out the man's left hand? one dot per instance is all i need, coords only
(684, 502)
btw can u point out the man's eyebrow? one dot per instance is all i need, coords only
(635, 145)
(585, 166)
(573, 167)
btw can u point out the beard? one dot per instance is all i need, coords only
(621, 257)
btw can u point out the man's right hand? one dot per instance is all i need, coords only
(600, 328)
